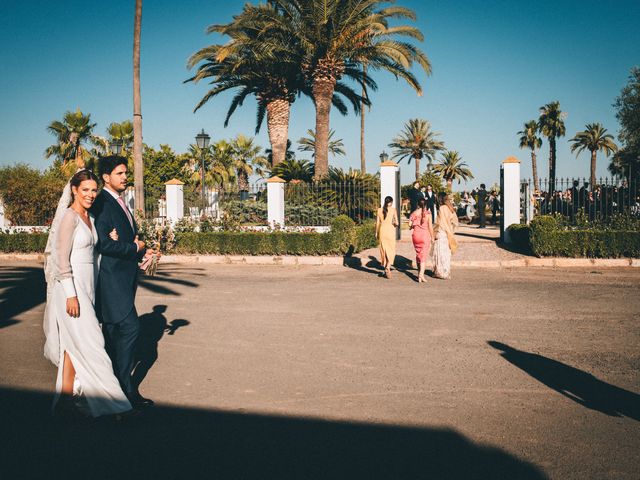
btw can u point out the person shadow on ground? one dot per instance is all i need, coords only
(577, 385)
(152, 328)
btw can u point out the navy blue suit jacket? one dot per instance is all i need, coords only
(118, 277)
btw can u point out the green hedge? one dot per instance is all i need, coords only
(23, 242)
(547, 236)
(344, 238)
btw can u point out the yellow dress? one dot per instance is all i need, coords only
(387, 235)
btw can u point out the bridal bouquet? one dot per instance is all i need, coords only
(158, 237)
(150, 264)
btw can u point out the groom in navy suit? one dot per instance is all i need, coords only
(118, 277)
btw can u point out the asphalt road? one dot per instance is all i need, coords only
(331, 372)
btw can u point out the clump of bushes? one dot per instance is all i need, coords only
(23, 242)
(550, 235)
(343, 238)
(30, 197)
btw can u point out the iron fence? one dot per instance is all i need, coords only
(318, 203)
(245, 205)
(575, 199)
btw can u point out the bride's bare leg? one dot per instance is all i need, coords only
(68, 376)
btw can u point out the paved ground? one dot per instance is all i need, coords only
(330, 372)
(474, 244)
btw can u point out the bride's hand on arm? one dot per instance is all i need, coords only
(73, 307)
(113, 234)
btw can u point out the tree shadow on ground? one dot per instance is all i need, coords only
(169, 442)
(21, 289)
(153, 325)
(577, 385)
(166, 277)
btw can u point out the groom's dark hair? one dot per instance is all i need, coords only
(109, 163)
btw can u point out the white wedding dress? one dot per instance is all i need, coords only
(76, 260)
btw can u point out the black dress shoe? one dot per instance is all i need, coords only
(140, 402)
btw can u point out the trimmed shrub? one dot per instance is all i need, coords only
(343, 234)
(23, 242)
(256, 243)
(365, 236)
(343, 238)
(586, 243)
(521, 237)
(548, 235)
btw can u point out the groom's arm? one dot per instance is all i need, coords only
(113, 248)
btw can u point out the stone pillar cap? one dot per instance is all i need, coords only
(389, 163)
(174, 181)
(511, 159)
(276, 179)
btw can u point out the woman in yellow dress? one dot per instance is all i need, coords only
(386, 224)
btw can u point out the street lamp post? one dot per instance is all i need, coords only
(202, 140)
(116, 147)
(384, 157)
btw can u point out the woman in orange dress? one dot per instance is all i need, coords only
(386, 224)
(422, 233)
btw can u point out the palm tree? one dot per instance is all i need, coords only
(121, 132)
(451, 168)
(335, 38)
(288, 155)
(593, 138)
(138, 166)
(219, 169)
(259, 61)
(529, 139)
(354, 193)
(551, 125)
(247, 160)
(416, 141)
(292, 169)
(363, 161)
(72, 134)
(308, 144)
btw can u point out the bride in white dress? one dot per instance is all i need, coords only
(74, 340)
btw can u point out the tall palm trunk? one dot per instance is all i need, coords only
(450, 184)
(363, 162)
(243, 181)
(534, 168)
(138, 167)
(417, 162)
(592, 179)
(323, 88)
(552, 164)
(278, 127)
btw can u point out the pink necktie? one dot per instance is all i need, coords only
(126, 210)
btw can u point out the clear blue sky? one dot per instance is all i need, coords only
(494, 64)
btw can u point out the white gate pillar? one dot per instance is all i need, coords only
(275, 202)
(175, 200)
(390, 186)
(3, 222)
(129, 198)
(510, 195)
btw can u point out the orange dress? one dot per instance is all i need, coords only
(420, 235)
